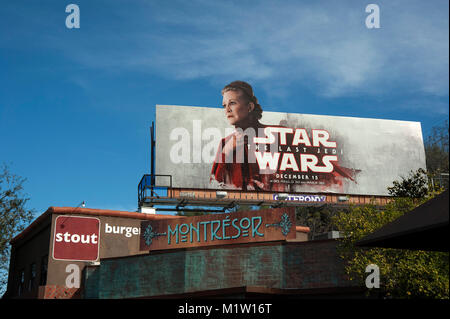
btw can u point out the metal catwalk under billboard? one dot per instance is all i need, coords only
(286, 152)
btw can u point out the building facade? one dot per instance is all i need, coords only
(93, 253)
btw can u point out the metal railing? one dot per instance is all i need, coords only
(150, 188)
(439, 181)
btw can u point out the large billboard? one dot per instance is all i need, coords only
(285, 152)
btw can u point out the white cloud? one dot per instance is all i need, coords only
(321, 45)
(327, 45)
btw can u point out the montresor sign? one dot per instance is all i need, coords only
(219, 229)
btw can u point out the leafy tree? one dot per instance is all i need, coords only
(403, 273)
(436, 149)
(14, 217)
(317, 218)
(415, 185)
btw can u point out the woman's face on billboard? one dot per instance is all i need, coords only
(236, 108)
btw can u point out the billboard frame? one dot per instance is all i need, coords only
(202, 198)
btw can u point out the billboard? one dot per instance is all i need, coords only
(285, 152)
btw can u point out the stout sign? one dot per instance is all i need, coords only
(76, 238)
(219, 229)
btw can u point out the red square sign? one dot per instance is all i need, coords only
(76, 238)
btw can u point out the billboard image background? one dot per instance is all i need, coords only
(378, 151)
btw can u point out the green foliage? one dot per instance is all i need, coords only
(403, 273)
(14, 217)
(317, 218)
(436, 149)
(415, 185)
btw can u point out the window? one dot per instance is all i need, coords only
(21, 282)
(32, 280)
(43, 275)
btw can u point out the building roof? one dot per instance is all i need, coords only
(104, 212)
(424, 228)
(89, 211)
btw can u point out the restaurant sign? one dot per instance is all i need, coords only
(219, 229)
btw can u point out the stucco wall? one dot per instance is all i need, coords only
(304, 265)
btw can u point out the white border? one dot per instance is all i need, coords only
(54, 238)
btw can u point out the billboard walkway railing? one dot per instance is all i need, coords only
(154, 187)
(158, 190)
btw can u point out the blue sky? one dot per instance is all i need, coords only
(76, 104)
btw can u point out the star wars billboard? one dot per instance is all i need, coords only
(284, 152)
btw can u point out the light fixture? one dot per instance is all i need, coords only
(82, 204)
(147, 210)
(221, 194)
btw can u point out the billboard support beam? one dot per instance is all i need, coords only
(152, 154)
(223, 210)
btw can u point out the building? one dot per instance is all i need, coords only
(34, 271)
(93, 253)
(424, 228)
